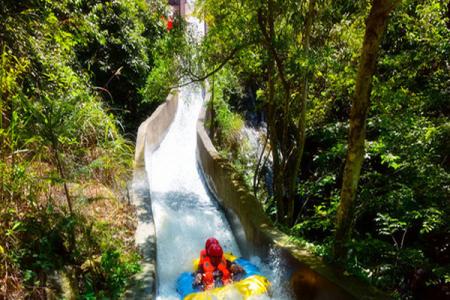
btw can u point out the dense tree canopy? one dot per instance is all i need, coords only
(300, 62)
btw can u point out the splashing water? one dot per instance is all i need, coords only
(275, 270)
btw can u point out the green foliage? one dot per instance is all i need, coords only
(170, 56)
(402, 211)
(114, 41)
(40, 243)
(226, 124)
(56, 133)
(321, 211)
(401, 201)
(118, 45)
(107, 275)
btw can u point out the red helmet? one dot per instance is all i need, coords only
(215, 250)
(210, 241)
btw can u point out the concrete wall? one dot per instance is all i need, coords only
(152, 131)
(310, 277)
(150, 134)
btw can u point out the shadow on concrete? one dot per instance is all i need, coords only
(182, 201)
(144, 283)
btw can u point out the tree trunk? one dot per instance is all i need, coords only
(301, 126)
(3, 123)
(213, 128)
(448, 15)
(274, 146)
(266, 27)
(61, 171)
(256, 176)
(375, 25)
(3, 145)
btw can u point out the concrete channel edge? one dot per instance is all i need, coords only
(150, 134)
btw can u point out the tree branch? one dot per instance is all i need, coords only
(272, 50)
(202, 78)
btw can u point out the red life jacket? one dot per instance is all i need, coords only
(208, 268)
(203, 255)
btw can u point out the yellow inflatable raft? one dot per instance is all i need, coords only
(253, 283)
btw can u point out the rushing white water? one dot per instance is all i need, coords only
(185, 214)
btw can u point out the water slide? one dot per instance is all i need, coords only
(185, 212)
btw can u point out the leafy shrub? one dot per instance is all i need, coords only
(56, 134)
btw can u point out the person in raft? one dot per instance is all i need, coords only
(213, 269)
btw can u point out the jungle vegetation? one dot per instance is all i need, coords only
(353, 102)
(72, 74)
